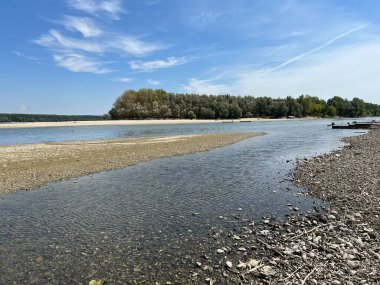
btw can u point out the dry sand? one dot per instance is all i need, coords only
(29, 166)
(126, 123)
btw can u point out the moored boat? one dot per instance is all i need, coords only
(357, 125)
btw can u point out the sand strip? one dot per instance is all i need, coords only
(29, 166)
(133, 122)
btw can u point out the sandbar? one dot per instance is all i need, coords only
(28, 166)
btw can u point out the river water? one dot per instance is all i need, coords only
(148, 222)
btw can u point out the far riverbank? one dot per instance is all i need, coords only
(135, 122)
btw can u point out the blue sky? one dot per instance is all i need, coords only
(77, 56)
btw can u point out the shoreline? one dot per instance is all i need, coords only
(340, 245)
(137, 122)
(25, 167)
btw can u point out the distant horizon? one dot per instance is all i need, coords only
(78, 56)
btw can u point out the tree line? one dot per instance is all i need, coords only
(6, 118)
(159, 104)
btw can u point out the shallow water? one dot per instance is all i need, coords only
(150, 221)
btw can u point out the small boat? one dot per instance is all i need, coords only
(357, 125)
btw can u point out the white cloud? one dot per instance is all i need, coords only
(20, 54)
(23, 109)
(124, 79)
(111, 8)
(108, 43)
(93, 41)
(331, 41)
(80, 63)
(157, 64)
(134, 46)
(206, 87)
(56, 41)
(205, 18)
(153, 82)
(86, 26)
(348, 72)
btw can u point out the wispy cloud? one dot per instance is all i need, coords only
(20, 54)
(280, 81)
(205, 18)
(106, 44)
(124, 79)
(206, 87)
(349, 71)
(56, 41)
(157, 64)
(314, 50)
(134, 46)
(110, 8)
(80, 63)
(153, 82)
(23, 108)
(86, 26)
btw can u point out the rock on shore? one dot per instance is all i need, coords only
(338, 246)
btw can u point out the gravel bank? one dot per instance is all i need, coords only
(29, 166)
(339, 246)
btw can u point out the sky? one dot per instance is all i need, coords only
(78, 56)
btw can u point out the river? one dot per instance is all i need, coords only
(148, 222)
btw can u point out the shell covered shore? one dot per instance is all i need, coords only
(338, 246)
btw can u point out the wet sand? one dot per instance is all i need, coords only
(29, 166)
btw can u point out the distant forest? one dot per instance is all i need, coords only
(159, 104)
(6, 118)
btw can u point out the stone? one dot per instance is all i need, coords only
(242, 265)
(317, 239)
(267, 271)
(253, 263)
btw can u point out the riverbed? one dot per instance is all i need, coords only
(151, 222)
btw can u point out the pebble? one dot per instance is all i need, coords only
(352, 264)
(267, 271)
(253, 263)
(317, 239)
(242, 265)
(229, 264)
